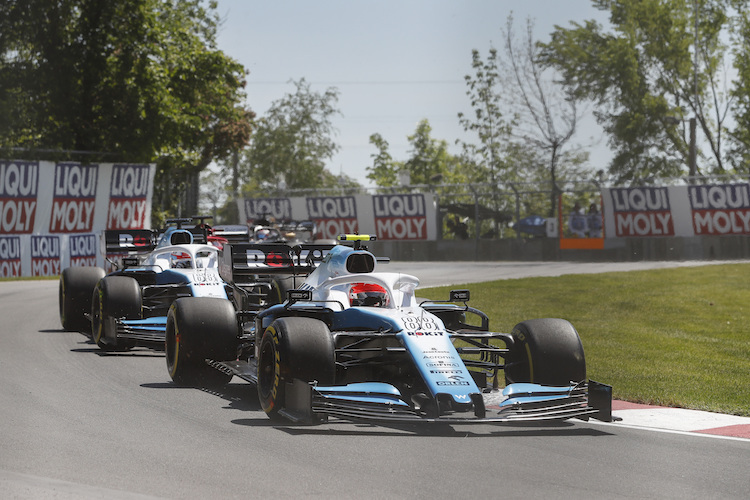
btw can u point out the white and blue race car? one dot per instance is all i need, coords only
(128, 306)
(354, 343)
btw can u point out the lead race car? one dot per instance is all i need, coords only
(128, 306)
(354, 343)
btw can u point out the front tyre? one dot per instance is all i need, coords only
(115, 297)
(74, 296)
(200, 328)
(546, 351)
(293, 348)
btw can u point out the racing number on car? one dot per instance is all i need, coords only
(421, 324)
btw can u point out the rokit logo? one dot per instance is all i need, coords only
(45, 255)
(19, 184)
(10, 256)
(74, 198)
(128, 197)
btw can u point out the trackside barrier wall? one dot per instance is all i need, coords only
(52, 214)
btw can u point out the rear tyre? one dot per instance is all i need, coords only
(546, 351)
(293, 348)
(277, 294)
(74, 296)
(200, 328)
(115, 297)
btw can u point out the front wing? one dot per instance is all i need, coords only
(378, 401)
(383, 402)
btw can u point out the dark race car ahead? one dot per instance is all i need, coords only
(354, 343)
(129, 306)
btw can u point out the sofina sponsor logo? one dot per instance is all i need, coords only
(45, 255)
(128, 197)
(400, 217)
(10, 256)
(82, 250)
(720, 209)
(333, 215)
(642, 211)
(19, 184)
(74, 198)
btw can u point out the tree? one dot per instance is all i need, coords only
(429, 161)
(546, 114)
(292, 142)
(489, 124)
(384, 170)
(138, 81)
(660, 65)
(740, 136)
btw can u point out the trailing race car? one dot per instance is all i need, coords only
(354, 343)
(129, 306)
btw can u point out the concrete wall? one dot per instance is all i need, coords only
(547, 249)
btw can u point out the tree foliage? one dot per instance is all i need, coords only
(661, 63)
(429, 161)
(293, 141)
(546, 113)
(138, 80)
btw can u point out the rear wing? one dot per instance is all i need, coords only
(129, 241)
(245, 262)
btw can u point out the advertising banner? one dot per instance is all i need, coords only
(51, 214)
(400, 216)
(720, 209)
(333, 215)
(642, 211)
(19, 187)
(388, 216)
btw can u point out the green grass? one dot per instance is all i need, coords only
(675, 337)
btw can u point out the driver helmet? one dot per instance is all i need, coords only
(368, 294)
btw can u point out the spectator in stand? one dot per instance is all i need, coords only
(577, 222)
(594, 220)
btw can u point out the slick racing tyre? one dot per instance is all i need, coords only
(546, 351)
(277, 294)
(200, 328)
(115, 297)
(293, 348)
(74, 294)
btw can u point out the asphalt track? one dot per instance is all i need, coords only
(77, 423)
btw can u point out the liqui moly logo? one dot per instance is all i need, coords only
(642, 211)
(720, 209)
(82, 250)
(19, 185)
(128, 197)
(74, 198)
(10, 256)
(277, 208)
(400, 217)
(333, 215)
(45, 255)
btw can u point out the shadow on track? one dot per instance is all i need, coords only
(239, 396)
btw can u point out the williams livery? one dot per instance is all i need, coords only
(354, 343)
(129, 306)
